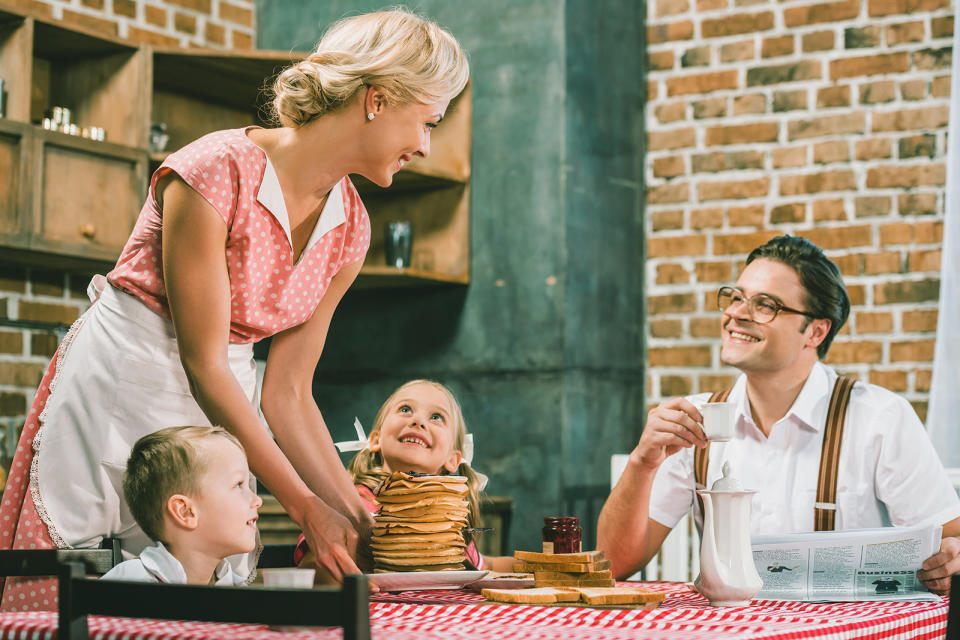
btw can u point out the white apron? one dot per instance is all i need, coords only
(118, 377)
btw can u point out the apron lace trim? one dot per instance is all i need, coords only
(38, 439)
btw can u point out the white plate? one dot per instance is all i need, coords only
(494, 580)
(418, 580)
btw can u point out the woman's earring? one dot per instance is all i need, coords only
(370, 116)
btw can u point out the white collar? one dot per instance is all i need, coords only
(810, 406)
(271, 197)
(166, 568)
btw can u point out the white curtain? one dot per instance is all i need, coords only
(943, 414)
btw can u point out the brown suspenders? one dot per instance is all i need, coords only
(825, 508)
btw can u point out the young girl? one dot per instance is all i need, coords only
(419, 428)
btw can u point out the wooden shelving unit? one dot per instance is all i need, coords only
(67, 200)
(64, 196)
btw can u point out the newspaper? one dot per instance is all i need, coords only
(843, 566)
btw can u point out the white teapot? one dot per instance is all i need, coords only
(728, 577)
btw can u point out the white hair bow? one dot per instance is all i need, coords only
(468, 460)
(354, 445)
(362, 443)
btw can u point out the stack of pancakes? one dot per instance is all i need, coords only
(419, 525)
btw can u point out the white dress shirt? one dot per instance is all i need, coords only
(889, 473)
(156, 564)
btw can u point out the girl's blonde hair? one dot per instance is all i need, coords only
(367, 468)
(407, 57)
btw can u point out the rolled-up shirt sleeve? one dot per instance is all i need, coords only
(673, 489)
(910, 478)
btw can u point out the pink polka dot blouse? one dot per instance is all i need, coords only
(269, 290)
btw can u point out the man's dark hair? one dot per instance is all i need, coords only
(824, 294)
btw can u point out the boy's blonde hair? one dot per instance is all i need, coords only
(162, 464)
(367, 468)
(407, 57)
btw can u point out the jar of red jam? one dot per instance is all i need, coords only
(561, 534)
(570, 537)
(551, 530)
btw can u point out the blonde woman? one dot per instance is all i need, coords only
(245, 234)
(419, 428)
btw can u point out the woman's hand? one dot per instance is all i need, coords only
(671, 426)
(364, 527)
(332, 538)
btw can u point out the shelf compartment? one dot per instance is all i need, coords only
(99, 79)
(440, 219)
(14, 176)
(87, 195)
(433, 193)
(196, 92)
(15, 37)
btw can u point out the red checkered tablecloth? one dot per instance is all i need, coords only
(428, 615)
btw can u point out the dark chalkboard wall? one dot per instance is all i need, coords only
(544, 348)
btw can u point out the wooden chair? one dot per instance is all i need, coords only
(47, 562)
(953, 613)
(585, 501)
(346, 607)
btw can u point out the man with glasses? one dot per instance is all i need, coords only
(777, 325)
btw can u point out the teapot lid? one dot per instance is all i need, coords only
(727, 482)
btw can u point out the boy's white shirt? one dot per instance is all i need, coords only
(156, 564)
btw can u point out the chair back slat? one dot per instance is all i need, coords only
(346, 607)
(46, 562)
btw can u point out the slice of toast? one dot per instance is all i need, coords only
(575, 582)
(558, 558)
(618, 595)
(570, 567)
(561, 575)
(545, 595)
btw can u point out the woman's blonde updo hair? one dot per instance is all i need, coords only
(367, 467)
(408, 58)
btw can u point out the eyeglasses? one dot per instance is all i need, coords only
(763, 308)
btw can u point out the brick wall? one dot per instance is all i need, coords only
(36, 295)
(825, 120)
(219, 24)
(31, 296)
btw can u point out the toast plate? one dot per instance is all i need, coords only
(494, 580)
(422, 580)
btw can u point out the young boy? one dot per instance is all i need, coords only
(189, 489)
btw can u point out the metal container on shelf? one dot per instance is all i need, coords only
(61, 118)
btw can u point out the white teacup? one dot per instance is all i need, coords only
(288, 578)
(718, 420)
